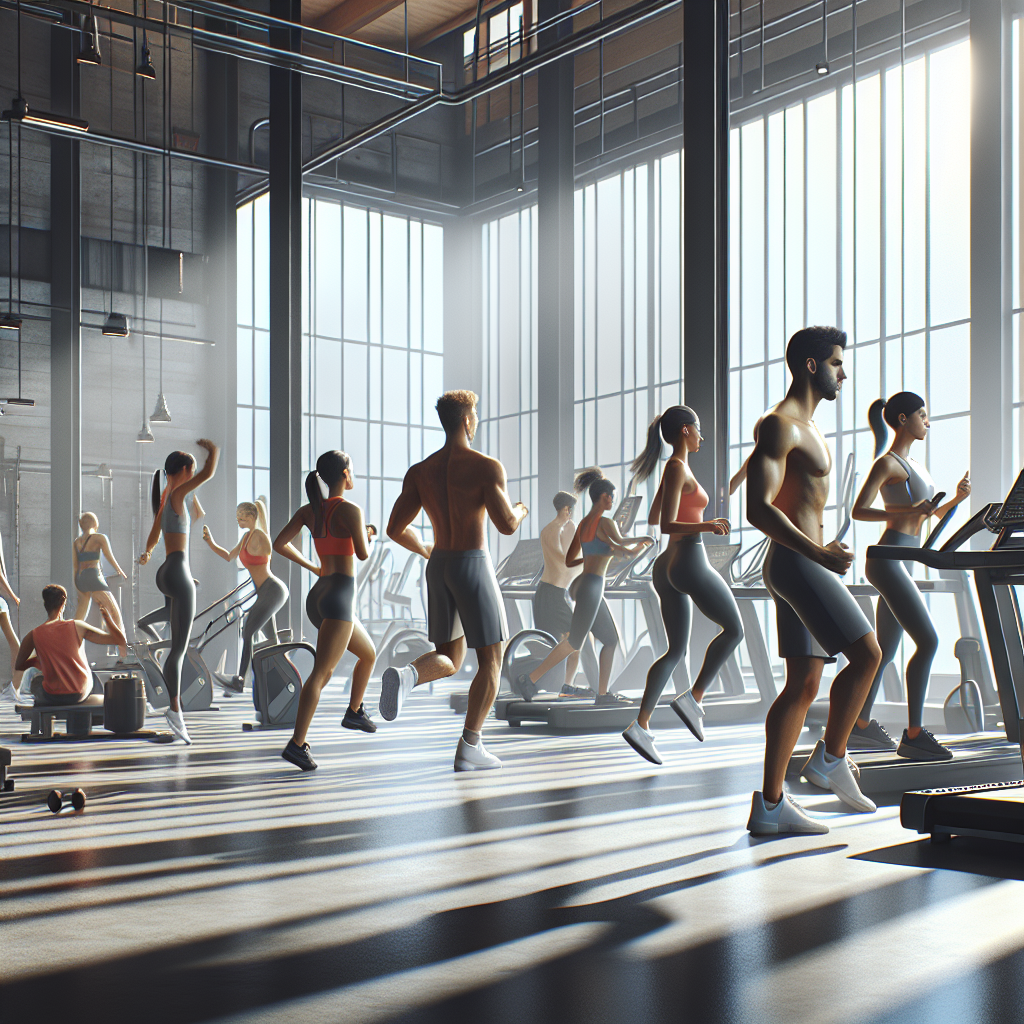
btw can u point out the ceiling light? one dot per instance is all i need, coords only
(116, 326)
(90, 50)
(27, 402)
(145, 68)
(161, 414)
(822, 67)
(20, 112)
(10, 322)
(145, 435)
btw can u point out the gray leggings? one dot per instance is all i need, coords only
(271, 597)
(901, 607)
(174, 580)
(591, 613)
(683, 576)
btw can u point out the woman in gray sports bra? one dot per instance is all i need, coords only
(89, 582)
(907, 492)
(174, 577)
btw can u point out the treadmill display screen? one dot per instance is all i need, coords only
(1012, 511)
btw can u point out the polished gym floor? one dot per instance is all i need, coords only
(578, 884)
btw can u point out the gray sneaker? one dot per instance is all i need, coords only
(871, 737)
(923, 747)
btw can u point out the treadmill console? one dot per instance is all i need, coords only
(625, 514)
(1009, 520)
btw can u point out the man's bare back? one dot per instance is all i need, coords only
(555, 539)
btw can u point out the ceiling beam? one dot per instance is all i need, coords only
(351, 15)
(453, 23)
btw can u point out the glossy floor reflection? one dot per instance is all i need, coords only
(578, 884)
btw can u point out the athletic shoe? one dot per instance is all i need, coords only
(612, 700)
(568, 690)
(395, 685)
(525, 687)
(871, 737)
(688, 708)
(11, 693)
(642, 742)
(470, 758)
(358, 720)
(299, 756)
(233, 684)
(923, 747)
(836, 776)
(786, 818)
(176, 721)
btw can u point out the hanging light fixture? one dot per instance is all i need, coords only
(145, 435)
(9, 322)
(25, 402)
(89, 52)
(145, 68)
(161, 414)
(822, 66)
(116, 326)
(21, 112)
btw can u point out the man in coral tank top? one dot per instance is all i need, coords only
(56, 648)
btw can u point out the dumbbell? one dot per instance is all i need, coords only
(55, 800)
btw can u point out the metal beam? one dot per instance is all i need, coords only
(706, 235)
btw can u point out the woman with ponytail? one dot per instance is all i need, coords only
(340, 536)
(907, 494)
(596, 540)
(682, 576)
(253, 551)
(174, 577)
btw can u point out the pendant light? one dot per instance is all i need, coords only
(145, 68)
(822, 66)
(116, 325)
(89, 53)
(161, 414)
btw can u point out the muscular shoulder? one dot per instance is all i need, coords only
(887, 466)
(777, 435)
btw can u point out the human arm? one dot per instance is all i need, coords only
(26, 654)
(676, 482)
(283, 542)
(74, 560)
(351, 516)
(619, 544)
(109, 556)
(738, 477)
(505, 516)
(963, 492)
(407, 507)
(197, 510)
(183, 490)
(151, 540)
(574, 556)
(766, 472)
(228, 556)
(112, 636)
(886, 471)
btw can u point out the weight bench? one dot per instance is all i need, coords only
(78, 718)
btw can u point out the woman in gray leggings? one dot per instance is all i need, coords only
(682, 576)
(253, 551)
(907, 493)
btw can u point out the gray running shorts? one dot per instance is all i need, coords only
(552, 610)
(817, 615)
(463, 599)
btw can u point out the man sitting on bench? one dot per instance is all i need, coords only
(56, 648)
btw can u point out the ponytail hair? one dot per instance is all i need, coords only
(174, 463)
(664, 427)
(594, 482)
(258, 511)
(156, 494)
(330, 468)
(880, 413)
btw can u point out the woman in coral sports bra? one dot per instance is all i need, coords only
(682, 576)
(339, 536)
(253, 551)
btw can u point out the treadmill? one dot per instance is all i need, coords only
(994, 811)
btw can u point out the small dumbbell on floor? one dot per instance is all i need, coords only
(55, 800)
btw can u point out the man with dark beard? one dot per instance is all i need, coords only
(787, 489)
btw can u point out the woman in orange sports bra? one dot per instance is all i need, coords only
(253, 551)
(682, 576)
(339, 536)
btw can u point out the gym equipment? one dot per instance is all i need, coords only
(78, 799)
(124, 704)
(6, 784)
(55, 800)
(278, 673)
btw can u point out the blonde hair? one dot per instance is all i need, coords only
(258, 511)
(87, 519)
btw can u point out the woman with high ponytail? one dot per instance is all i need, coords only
(907, 493)
(596, 541)
(253, 551)
(682, 576)
(340, 536)
(174, 577)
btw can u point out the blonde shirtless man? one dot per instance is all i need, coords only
(787, 489)
(459, 489)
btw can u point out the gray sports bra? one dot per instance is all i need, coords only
(918, 486)
(170, 521)
(88, 556)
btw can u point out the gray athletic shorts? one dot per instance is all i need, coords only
(817, 615)
(552, 610)
(463, 599)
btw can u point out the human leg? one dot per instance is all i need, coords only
(83, 605)
(13, 643)
(174, 579)
(785, 720)
(849, 688)
(712, 596)
(150, 619)
(484, 687)
(106, 601)
(888, 633)
(331, 641)
(362, 647)
(589, 595)
(271, 597)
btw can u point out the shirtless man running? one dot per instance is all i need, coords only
(552, 606)
(458, 488)
(787, 489)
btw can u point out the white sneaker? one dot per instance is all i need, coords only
(11, 693)
(469, 758)
(836, 776)
(642, 741)
(689, 710)
(786, 818)
(395, 686)
(176, 721)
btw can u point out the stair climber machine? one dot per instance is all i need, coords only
(994, 808)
